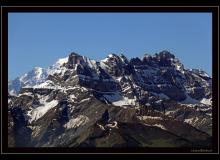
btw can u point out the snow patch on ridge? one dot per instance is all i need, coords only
(149, 117)
(190, 100)
(206, 101)
(38, 112)
(118, 100)
(76, 122)
(159, 126)
(61, 61)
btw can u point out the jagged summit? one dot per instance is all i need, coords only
(114, 65)
(73, 54)
(74, 58)
(160, 73)
(116, 102)
(124, 58)
(165, 54)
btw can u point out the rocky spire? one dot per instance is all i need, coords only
(74, 58)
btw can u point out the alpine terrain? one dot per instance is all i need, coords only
(116, 102)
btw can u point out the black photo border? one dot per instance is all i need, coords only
(100, 9)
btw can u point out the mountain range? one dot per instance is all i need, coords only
(153, 101)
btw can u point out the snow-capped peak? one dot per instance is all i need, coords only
(37, 68)
(37, 74)
(61, 61)
(110, 55)
(58, 66)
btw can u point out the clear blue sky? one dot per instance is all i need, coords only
(39, 39)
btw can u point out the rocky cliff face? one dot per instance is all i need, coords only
(148, 102)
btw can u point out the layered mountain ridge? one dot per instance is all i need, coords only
(79, 102)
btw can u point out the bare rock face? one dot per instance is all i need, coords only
(174, 93)
(11, 136)
(197, 92)
(21, 134)
(73, 59)
(117, 102)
